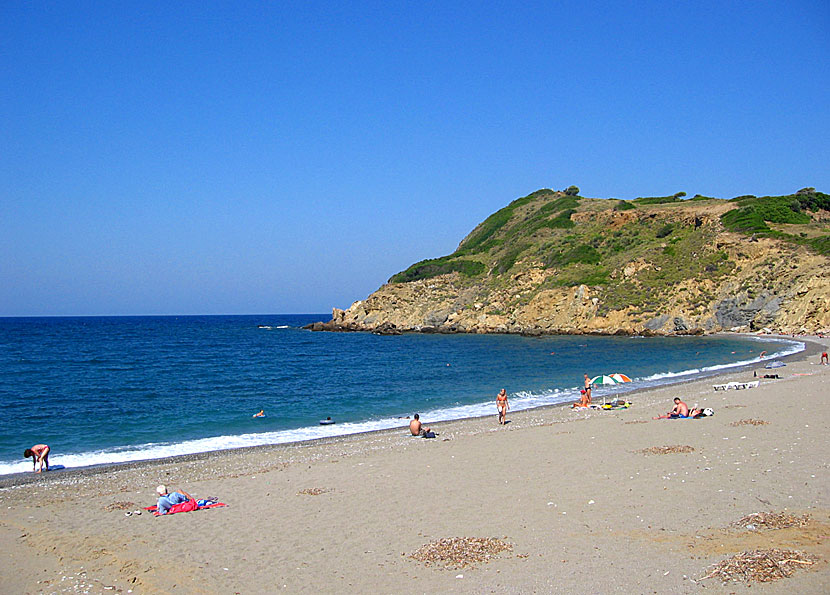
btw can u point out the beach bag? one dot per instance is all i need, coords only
(429, 434)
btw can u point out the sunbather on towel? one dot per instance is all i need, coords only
(680, 410)
(167, 500)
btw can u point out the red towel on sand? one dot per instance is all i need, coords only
(188, 506)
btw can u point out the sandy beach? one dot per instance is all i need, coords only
(583, 500)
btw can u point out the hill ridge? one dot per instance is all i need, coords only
(555, 262)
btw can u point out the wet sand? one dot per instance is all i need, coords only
(585, 510)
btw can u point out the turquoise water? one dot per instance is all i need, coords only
(125, 388)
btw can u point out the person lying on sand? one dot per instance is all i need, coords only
(680, 409)
(167, 500)
(416, 428)
(39, 454)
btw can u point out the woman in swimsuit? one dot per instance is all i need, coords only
(39, 454)
(502, 405)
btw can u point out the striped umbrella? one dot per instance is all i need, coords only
(620, 377)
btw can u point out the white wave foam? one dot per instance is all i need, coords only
(519, 401)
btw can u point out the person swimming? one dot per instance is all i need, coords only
(260, 414)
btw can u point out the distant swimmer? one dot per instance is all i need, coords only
(39, 454)
(260, 414)
(502, 405)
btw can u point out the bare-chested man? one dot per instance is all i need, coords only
(416, 428)
(680, 409)
(588, 386)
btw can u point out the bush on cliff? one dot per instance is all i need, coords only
(433, 267)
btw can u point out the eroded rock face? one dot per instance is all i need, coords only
(779, 287)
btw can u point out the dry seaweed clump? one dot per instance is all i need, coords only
(761, 566)
(458, 552)
(771, 520)
(313, 491)
(119, 506)
(667, 450)
(749, 422)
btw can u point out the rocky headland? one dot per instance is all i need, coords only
(557, 263)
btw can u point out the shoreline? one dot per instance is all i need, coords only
(584, 508)
(812, 347)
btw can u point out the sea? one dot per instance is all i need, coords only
(116, 389)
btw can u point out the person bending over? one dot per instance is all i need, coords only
(39, 454)
(167, 500)
(416, 428)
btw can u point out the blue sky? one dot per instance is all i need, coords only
(290, 157)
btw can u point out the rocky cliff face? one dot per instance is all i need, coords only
(654, 269)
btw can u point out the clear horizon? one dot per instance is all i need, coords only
(232, 160)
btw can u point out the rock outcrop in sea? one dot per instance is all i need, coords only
(557, 263)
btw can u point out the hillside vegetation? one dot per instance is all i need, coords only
(553, 261)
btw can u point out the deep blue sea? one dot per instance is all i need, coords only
(114, 389)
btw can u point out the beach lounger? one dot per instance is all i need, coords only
(736, 385)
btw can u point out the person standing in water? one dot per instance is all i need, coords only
(39, 454)
(502, 405)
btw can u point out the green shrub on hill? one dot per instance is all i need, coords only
(508, 259)
(624, 205)
(755, 213)
(582, 253)
(659, 200)
(482, 238)
(820, 245)
(664, 231)
(438, 266)
(810, 200)
(561, 221)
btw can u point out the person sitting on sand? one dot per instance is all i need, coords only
(583, 400)
(416, 428)
(39, 454)
(502, 405)
(167, 501)
(679, 410)
(260, 414)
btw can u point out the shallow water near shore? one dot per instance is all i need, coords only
(115, 389)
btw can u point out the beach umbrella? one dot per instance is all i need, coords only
(620, 377)
(603, 379)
